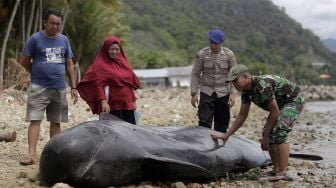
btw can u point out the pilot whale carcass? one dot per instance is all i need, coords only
(111, 152)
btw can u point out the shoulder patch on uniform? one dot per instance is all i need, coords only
(199, 53)
(226, 49)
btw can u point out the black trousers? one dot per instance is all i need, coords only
(126, 115)
(212, 107)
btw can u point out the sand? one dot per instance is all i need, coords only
(313, 133)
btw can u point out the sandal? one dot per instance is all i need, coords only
(267, 173)
(280, 176)
(26, 162)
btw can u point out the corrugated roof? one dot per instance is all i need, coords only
(151, 73)
(179, 71)
(164, 72)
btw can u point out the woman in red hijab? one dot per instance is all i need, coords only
(109, 83)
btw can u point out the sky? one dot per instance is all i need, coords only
(318, 16)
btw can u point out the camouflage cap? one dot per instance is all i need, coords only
(235, 71)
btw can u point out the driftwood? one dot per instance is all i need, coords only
(8, 136)
(16, 76)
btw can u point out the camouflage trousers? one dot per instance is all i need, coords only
(288, 114)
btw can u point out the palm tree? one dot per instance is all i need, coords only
(87, 23)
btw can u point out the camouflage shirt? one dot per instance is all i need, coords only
(267, 87)
(210, 72)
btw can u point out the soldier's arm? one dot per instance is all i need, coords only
(195, 75)
(232, 62)
(272, 106)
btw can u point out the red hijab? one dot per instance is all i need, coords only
(106, 71)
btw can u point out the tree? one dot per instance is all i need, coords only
(31, 16)
(88, 23)
(4, 43)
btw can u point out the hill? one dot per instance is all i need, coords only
(169, 33)
(330, 44)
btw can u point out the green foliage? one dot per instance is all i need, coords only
(260, 34)
(160, 33)
(88, 23)
(154, 59)
(303, 70)
(258, 68)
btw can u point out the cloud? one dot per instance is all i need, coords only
(316, 15)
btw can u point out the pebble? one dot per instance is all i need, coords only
(174, 103)
(22, 174)
(61, 185)
(308, 164)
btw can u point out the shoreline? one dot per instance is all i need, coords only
(172, 107)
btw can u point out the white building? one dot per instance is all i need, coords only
(165, 77)
(318, 64)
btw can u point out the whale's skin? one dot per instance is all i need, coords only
(111, 152)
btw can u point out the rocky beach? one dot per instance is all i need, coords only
(314, 133)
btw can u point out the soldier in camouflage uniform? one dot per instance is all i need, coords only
(210, 72)
(282, 99)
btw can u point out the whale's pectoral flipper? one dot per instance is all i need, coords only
(155, 164)
(217, 146)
